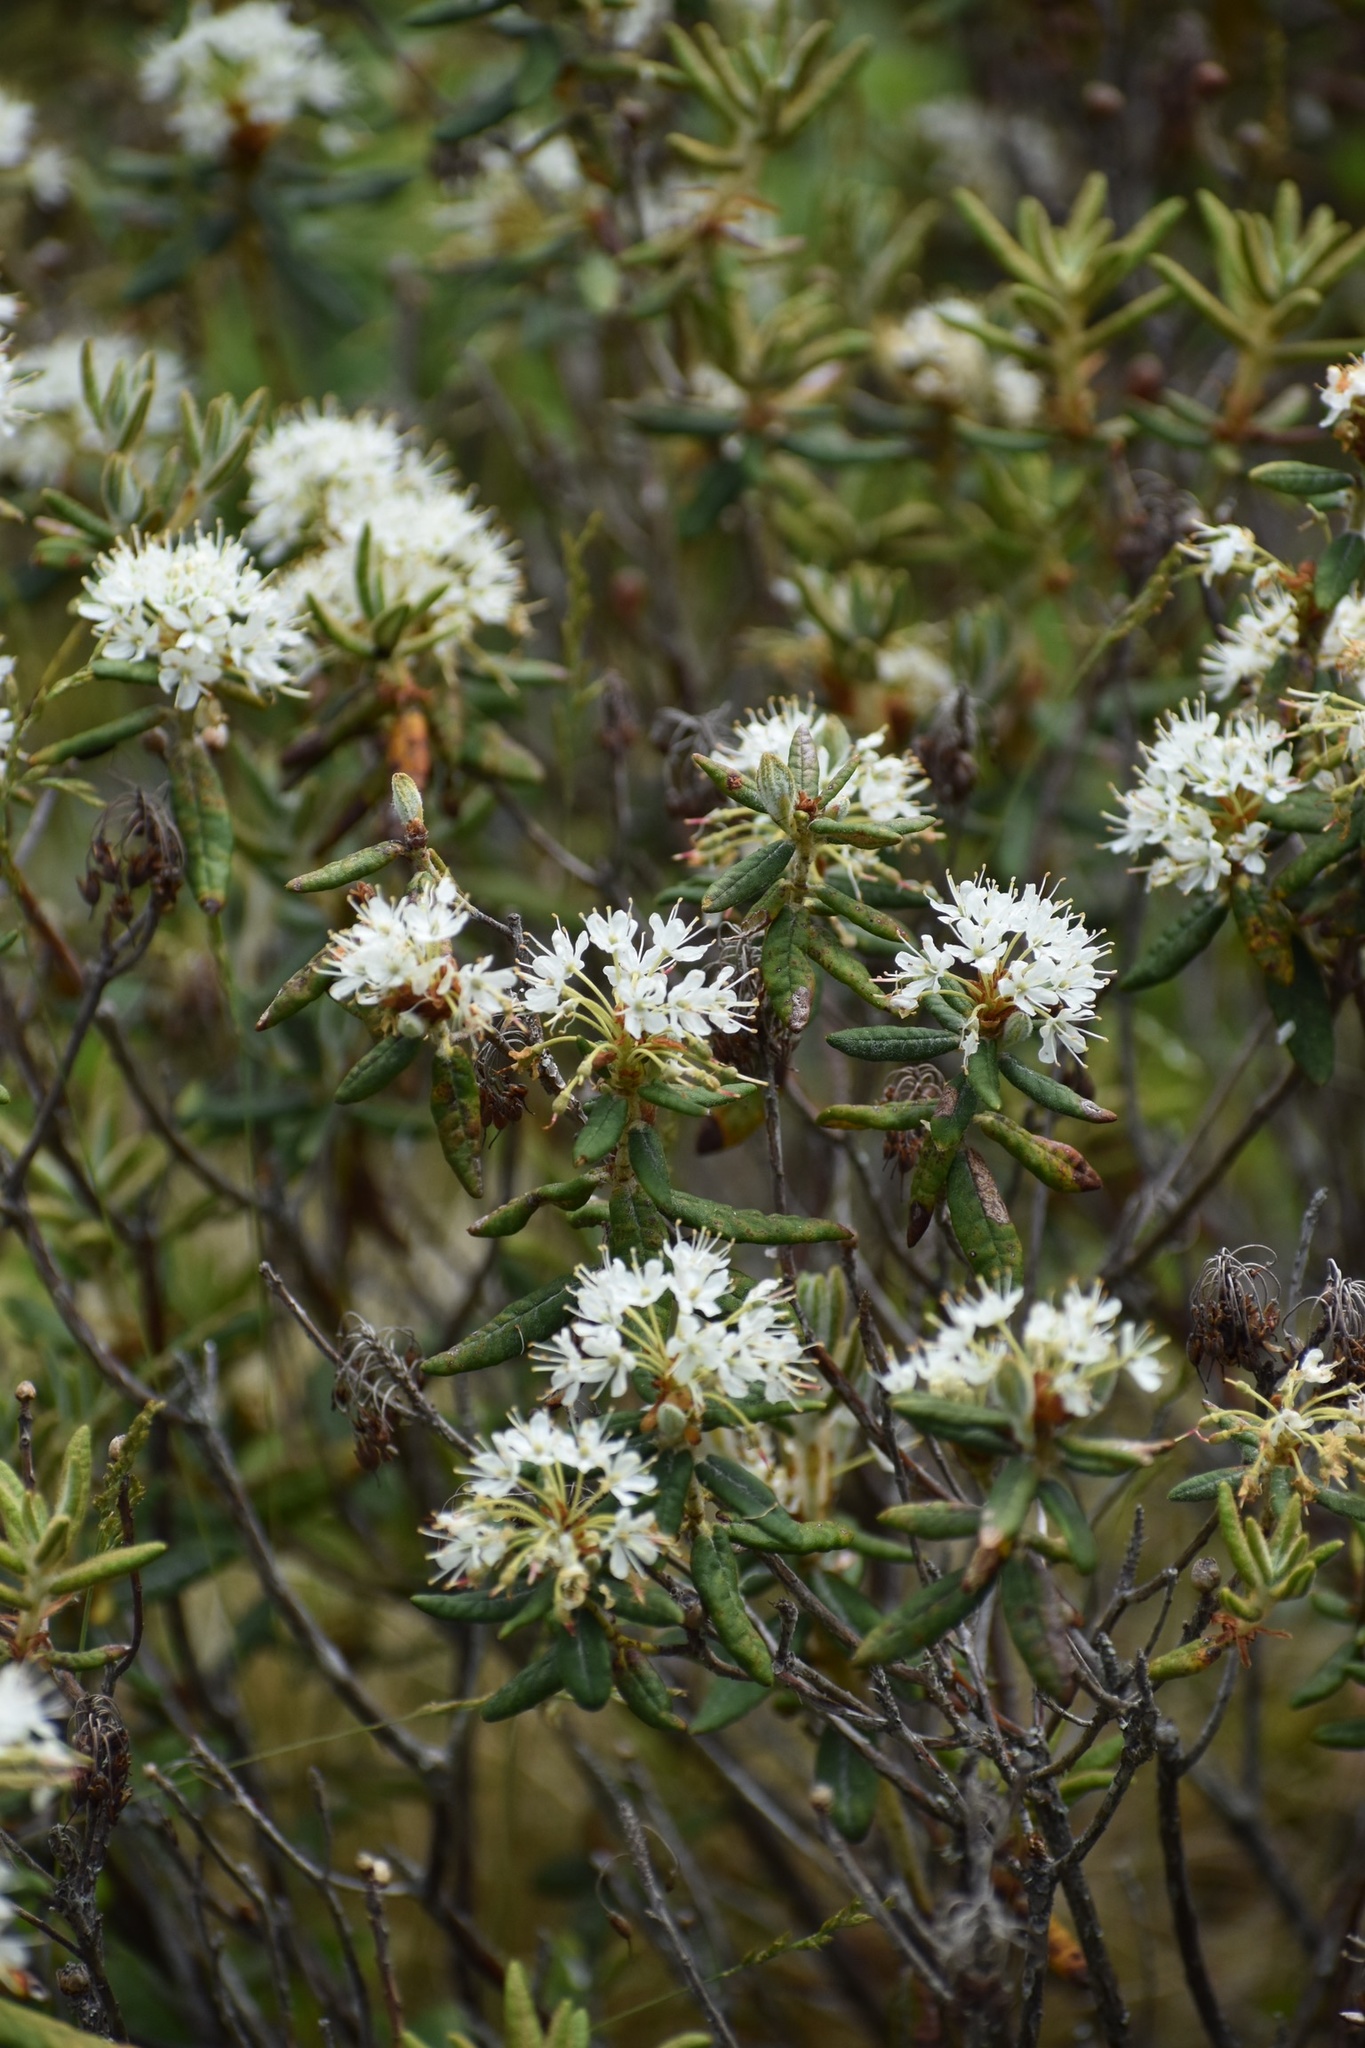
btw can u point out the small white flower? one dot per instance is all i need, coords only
(14, 411)
(1345, 385)
(1018, 959)
(16, 130)
(197, 606)
(249, 67)
(1316, 1370)
(32, 1755)
(1222, 551)
(399, 956)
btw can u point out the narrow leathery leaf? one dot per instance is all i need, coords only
(822, 947)
(1033, 1617)
(981, 1223)
(1267, 928)
(651, 1607)
(109, 1564)
(876, 1116)
(1341, 1734)
(352, 867)
(937, 1521)
(1304, 810)
(741, 886)
(727, 1700)
(673, 1474)
(1322, 850)
(1057, 1165)
(73, 1487)
(1303, 1011)
(751, 1226)
(204, 823)
(872, 838)
(957, 1422)
(1234, 1536)
(1002, 1518)
(106, 671)
(78, 1660)
(1352, 1505)
(1066, 1511)
(928, 1181)
(488, 751)
(864, 915)
(716, 1578)
(982, 1069)
(1307, 480)
(1338, 571)
(100, 739)
(527, 1688)
(735, 1486)
(385, 1060)
(584, 1658)
(636, 1228)
(534, 1608)
(54, 1542)
(893, 1043)
(603, 1131)
(469, 1607)
(520, 2025)
(456, 1113)
(740, 788)
(526, 1321)
(1180, 942)
(776, 790)
(513, 1216)
(920, 1621)
(803, 762)
(786, 971)
(649, 1165)
(1327, 1679)
(25, 2026)
(780, 1531)
(1203, 1486)
(303, 988)
(1053, 1095)
(12, 1499)
(852, 1781)
(688, 1101)
(1098, 1456)
(1184, 1661)
(643, 1691)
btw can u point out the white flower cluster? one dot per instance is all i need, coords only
(58, 427)
(321, 480)
(398, 956)
(248, 68)
(197, 606)
(545, 1497)
(946, 365)
(913, 665)
(1343, 643)
(14, 409)
(883, 787)
(640, 1002)
(1071, 1351)
(41, 165)
(1246, 650)
(703, 1352)
(1017, 960)
(1199, 795)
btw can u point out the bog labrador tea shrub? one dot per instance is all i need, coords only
(682, 987)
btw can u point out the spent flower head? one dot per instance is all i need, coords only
(399, 957)
(546, 1498)
(1064, 1364)
(673, 1329)
(1201, 788)
(1015, 961)
(236, 76)
(198, 607)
